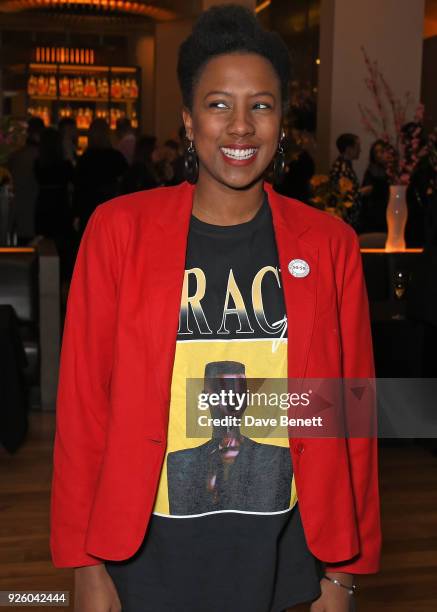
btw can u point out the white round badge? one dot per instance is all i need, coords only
(298, 268)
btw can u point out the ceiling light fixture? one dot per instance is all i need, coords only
(135, 7)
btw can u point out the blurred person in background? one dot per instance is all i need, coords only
(349, 149)
(141, 174)
(179, 162)
(53, 214)
(421, 179)
(162, 156)
(374, 204)
(99, 173)
(175, 158)
(125, 139)
(302, 145)
(21, 165)
(297, 176)
(69, 136)
(422, 300)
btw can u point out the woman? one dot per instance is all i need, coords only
(141, 174)
(184, 293)
(374, 208)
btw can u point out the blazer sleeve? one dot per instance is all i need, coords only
(83, 390)
(357, 363)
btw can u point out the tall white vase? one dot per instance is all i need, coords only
(397, 213)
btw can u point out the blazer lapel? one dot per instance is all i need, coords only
(300, 294)
(165, 275)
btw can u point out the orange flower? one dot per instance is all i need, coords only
(345, 185)
(318, 180)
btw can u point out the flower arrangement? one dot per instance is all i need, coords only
(335, 200)
(405, 141)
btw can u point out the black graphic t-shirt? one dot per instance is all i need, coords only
(225, 533)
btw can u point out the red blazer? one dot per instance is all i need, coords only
(116, 368)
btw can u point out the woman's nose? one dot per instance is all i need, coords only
(241, 122)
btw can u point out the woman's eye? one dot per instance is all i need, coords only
(218, 105)
(262, 105)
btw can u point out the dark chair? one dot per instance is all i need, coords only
(19, 289)
(14, 398)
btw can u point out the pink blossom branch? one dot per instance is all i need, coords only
(372, 83)
(367, 123)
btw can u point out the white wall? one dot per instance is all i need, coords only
(391, 31)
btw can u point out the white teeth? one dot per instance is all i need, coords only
(238, 153)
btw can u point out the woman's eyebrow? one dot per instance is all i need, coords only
(263, 93)
(218, 93)
(228, 93)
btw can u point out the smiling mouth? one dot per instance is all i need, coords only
(239, 154)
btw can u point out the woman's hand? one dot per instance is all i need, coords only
(367, 190)
(333, 598)
(94, 590)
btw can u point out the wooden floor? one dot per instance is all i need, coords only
(407, 582)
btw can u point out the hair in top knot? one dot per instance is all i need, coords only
(229, 28)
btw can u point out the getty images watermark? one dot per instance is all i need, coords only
(234, 404)
(284, 408)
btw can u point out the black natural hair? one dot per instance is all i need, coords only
(344, 141)
(224, 29)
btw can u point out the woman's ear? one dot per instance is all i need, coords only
(188, 123)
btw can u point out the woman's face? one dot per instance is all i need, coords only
(379, 153)
(235, 119)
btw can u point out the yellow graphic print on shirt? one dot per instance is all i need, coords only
(219, 472)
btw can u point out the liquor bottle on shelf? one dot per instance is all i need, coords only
(45, 115)
(133, 89)
(79, 87)
(115, 114)
(32, 85)
(52, 90)
(87, 118)
(102, 88)
(134, 120)
(125, 86)
(80, 119)
(42, 85)
(116, 89)
(64, 87)
(92, 88)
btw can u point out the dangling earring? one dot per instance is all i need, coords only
(279, 162)
(191, 163)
